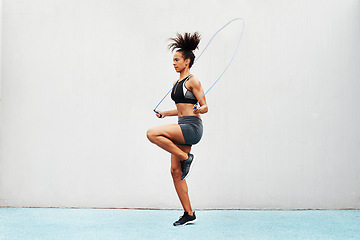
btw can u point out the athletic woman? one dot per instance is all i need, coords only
(177, 139)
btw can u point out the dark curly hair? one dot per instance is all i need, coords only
(185, 44)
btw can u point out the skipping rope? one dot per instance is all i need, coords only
(231, 60)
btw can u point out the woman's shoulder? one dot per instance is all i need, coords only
(193, 83)
(193, 80)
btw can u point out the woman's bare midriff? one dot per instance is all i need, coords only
(186, 109)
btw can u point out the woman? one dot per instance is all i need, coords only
(177, 139)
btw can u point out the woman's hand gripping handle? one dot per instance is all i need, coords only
(158, 114)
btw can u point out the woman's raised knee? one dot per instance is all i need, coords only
(151, 134)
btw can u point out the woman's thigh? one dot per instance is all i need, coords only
(170, 131)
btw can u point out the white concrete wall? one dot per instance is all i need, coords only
(80, 80)
(1, 16)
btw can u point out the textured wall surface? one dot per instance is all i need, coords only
(80, 80)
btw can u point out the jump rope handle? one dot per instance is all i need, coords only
(158, 113)
(196, 106)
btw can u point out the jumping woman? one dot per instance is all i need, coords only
(177, 139)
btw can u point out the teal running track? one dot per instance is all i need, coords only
(104, 224)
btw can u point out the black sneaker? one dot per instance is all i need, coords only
(185, 219)
(186, 166)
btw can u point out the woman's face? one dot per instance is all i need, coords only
(179, 62)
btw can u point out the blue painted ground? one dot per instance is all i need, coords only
(106, 224)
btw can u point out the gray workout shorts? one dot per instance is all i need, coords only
(192, 129)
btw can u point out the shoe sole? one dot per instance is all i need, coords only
(192, 164)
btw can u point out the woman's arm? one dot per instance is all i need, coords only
(195, 86)
(169, 113)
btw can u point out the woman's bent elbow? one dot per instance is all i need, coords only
(205, 110)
